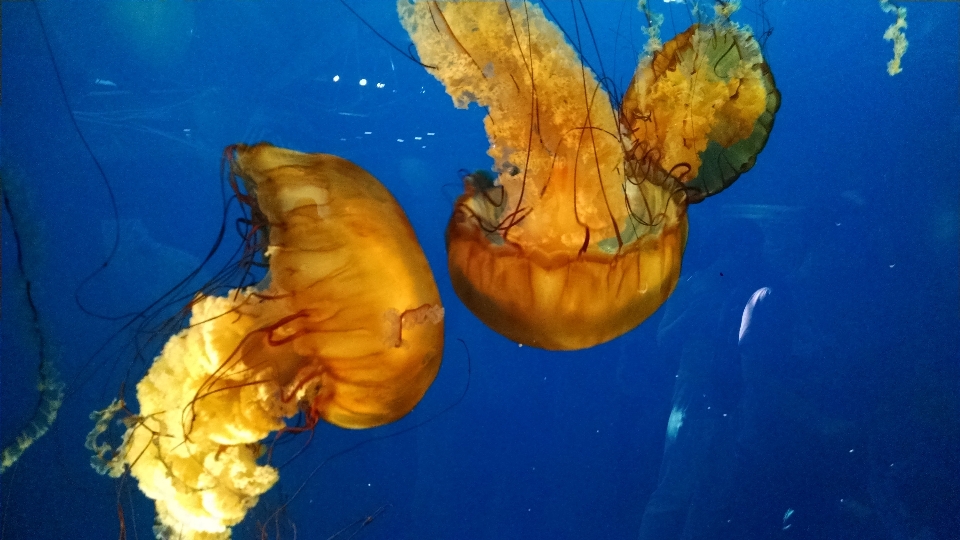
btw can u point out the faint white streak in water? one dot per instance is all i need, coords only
(105, 82)
(747, 316)
(674, 423)
(786, 516)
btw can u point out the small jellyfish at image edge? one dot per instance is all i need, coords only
(580, 237)
(347, 327)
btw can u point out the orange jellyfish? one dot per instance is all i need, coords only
(581, 236)
(347, 327)
(723, 121)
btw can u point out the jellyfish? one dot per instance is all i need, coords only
(347, 327)
(711, 136)
(581, 236)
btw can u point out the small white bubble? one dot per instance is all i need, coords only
(430, 134)
(380, 85)
(368, 133)
(399, 140)
(363, 82)
(336, 78)
(851, 450)
(418, 138)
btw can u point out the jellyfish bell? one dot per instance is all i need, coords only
(714, 135)
(346, 328)
(344, 254)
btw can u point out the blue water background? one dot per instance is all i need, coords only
(857, 194)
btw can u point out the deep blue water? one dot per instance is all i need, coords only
(852, 404)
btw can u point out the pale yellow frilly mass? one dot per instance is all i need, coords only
(205, 483)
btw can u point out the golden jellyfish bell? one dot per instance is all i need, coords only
(702, 107)
(344, 258)
(347, 327)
